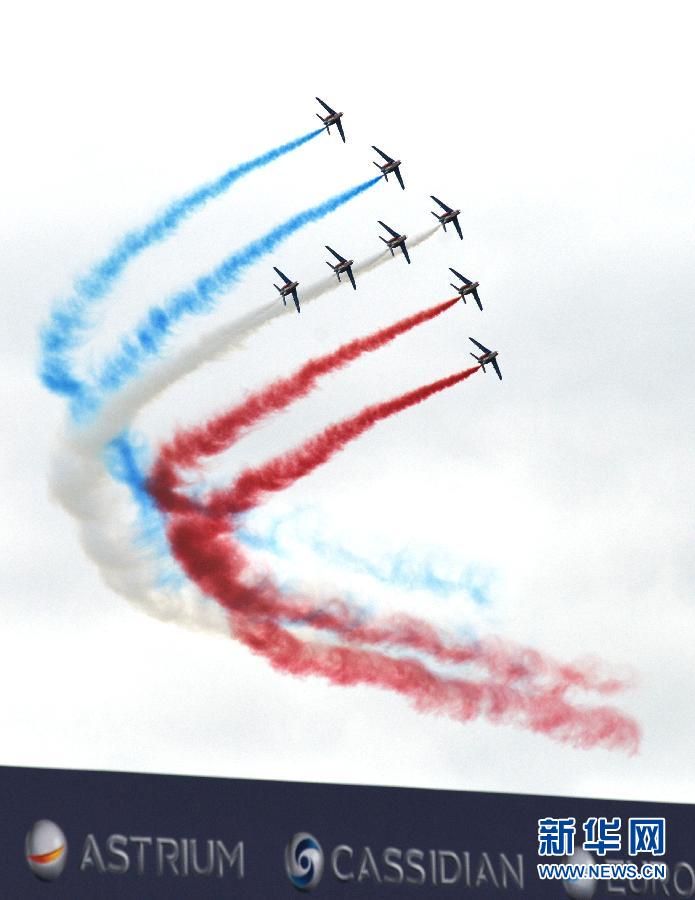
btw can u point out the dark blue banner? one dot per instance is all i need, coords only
(70, 834)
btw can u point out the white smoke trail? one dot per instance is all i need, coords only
(104, 510)
(118, 413)
(108, 531)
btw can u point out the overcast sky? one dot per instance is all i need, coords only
(565, 134)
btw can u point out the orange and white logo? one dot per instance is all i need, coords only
(46, 850)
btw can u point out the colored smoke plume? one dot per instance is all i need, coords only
(70, 320)
(148, 338)
(518, 686)
(188, 447)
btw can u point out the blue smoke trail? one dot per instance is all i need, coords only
(152, 332)
(401, 570)
(69, 319)
(127, 460)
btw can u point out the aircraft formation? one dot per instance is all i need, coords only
(447, 216)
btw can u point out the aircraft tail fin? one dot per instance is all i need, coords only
(383, 239)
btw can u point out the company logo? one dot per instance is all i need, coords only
(304, 861)
(46, 850)
(580, 888)
(352, 865)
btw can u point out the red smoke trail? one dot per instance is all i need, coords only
(205, 547)
(281, 472)
(522, 687)
(187, 448)
(544, 710)
(512, 694)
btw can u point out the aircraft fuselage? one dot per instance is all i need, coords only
(468, 288)
(487, 357)
(449, 217)
(343, 266)
(287, 289)
(331, 120)
(390, 167)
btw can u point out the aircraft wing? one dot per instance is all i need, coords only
(351, 277)
(381, 153)
(459, 275)
(296, 303)
(282, 275)
(326, 106)
(477, 299)
(398, 176)
(478, 344)
(457, 226)
(443, 205)
(497, 369)
(405, 253)
(337, 255)
(390, 230)
(340, 129)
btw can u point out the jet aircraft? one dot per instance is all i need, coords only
(468, 287)
(449, 215)
(398, 240)
(343, 265)
(488, 357)
(333, 118)
(288, 289)
(391, 165)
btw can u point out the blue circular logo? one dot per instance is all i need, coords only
(304, 861)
